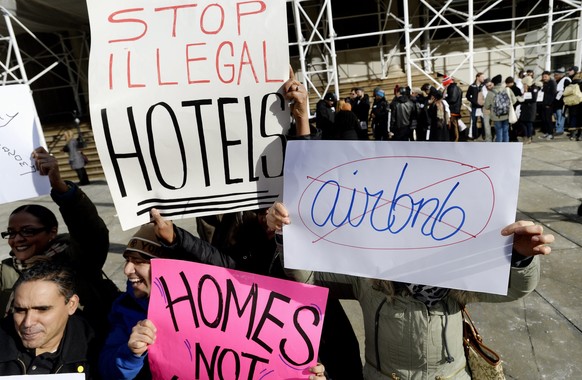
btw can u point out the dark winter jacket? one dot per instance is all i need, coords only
(473, 95)
(346, 126)
(529, 106)
(404, 116)
(76, 353)
(549, 89)
(454, 98)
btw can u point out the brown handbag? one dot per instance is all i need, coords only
(483, 362)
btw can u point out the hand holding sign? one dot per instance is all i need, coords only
(528, 238)
(142, 336)
(48, 165)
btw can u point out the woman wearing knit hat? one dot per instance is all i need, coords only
(124, 355)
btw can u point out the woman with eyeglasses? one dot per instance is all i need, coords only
(32, 234)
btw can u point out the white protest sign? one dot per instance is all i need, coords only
(19, 136)
(423, 213)
(185, 106)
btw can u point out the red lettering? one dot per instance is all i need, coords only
(160, 71)
(230, 65)
(245, 53)
(129, 84)
(114, 20)
(189, 59)
(267, 80)
(202, 18)
(240, 13)
(175, 8)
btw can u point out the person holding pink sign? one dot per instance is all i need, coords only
(416, 331)
(125, 351)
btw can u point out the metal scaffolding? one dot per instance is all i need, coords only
(417, 35)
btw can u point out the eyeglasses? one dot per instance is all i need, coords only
(25, 232)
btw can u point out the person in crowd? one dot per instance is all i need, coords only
(562, 81)
(488, 136)
(33, 237)
(420, 97)
(500, 119)
(325, 115)
(514, 129)
(346, 124)
(43, 335)
(530, 73)
(528, 108)
(438, 114)
(454, 97)
(572, 71)
(519, 80)
(404, 115)
(476, 98)
(125, 351)
(123, 355)
(415, 331)
(379, 115)
(361, 107)
(546, 110)
(76, 157)
(575, 111)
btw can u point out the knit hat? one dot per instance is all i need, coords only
(380, 93)
(329, 96)
(146, 243)
(573, 68)
(496, 79)
(528, 81)
(447, 80)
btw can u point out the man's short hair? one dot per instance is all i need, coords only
(62, 276)
(546, 73)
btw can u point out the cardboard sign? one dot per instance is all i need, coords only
(19, 136)
(185, 104)
(216, 323)
(422, 213)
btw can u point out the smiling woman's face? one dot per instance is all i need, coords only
(26, 247)
(138, 272)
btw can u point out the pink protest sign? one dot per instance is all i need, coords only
(216, 323)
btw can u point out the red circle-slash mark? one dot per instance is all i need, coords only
(469, 235)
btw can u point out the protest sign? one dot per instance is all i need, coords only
(216, 323)
(19, 136)
(185, 104)
(423, 213)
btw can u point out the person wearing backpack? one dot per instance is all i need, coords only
(498, 101)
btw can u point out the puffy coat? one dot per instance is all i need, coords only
(405, 340)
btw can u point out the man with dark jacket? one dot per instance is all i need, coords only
(325, 115)
(404, 116)
(549, 89)
(379, 115)
(476, 98)
(361, 107)
(454, 97)
(42, 335)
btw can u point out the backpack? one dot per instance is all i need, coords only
(501, 103)
(572, 95)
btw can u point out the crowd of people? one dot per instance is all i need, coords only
(500, 110)
(63, 316)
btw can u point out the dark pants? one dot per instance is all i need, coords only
(83, 177)
(547, 124)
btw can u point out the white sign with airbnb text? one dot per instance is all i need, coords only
(422, 213)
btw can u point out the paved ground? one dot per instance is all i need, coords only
(539, 337)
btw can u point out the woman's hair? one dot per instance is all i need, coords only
(46, 217)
